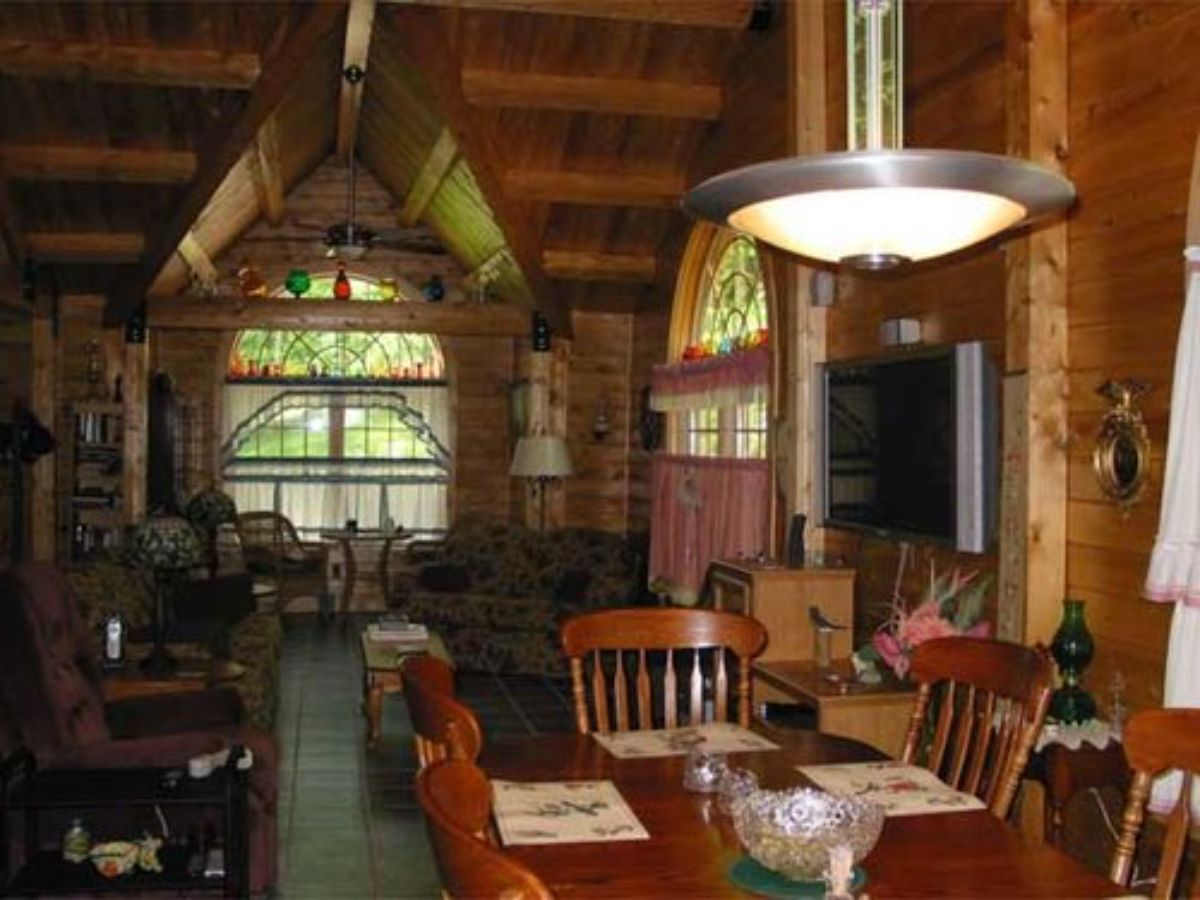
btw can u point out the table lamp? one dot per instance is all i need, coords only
(541, 458)
(168, 546)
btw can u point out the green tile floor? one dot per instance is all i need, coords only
(349, 825)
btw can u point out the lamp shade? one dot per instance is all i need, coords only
(878, 209)
(209, 508)
(541, 456)
(164, 543)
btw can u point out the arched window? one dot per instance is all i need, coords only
(733, 296)
(329, 426)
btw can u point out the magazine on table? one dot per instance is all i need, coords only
(900, 788)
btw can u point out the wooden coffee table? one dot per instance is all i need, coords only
(381, 675)
(130, 681)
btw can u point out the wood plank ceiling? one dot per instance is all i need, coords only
(546, 144)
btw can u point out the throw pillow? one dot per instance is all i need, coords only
(571, 589)
(444, 577)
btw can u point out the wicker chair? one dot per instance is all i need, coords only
(274, 552)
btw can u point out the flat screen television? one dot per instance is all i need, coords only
(908, 446)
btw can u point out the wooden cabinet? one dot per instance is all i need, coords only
(780, 598)
(96, 504)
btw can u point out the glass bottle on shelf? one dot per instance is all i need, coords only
(341, 284)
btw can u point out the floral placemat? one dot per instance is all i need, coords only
(901, 789)
(715, 737)
(563, 812)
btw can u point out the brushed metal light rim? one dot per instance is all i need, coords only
(1039, 191)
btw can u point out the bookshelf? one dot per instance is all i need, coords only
(96, 504)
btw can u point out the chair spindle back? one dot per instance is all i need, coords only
(443, 727)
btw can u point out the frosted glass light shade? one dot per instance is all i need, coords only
(541, 456)
(877, 209)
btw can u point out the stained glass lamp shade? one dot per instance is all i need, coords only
(168, 546)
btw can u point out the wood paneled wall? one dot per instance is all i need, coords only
(196, 362)
(650, 330)
(1134, 119)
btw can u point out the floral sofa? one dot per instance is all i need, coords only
(105, 586)
(496, 592)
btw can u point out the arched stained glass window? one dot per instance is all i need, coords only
(733, 301)
(352, 355)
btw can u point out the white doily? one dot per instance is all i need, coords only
(1096, 732)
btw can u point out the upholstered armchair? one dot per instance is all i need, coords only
(53, 707)
(273, 550)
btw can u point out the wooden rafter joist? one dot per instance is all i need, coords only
(85, 246)
(127, 63)
(197, 259)
(223, 145)
(620, 96)
(733, 14)
(62, 162)
(595, 188)
(359, 23)
(267, 174)
(434, 170)
(589, 265)
(487, 271)
(429, 48)
(228, 314)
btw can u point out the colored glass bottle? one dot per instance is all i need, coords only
(341, 284)
(1072, 648)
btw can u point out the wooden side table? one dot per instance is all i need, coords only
(1065, 770)
(381, 675)
(876, 714)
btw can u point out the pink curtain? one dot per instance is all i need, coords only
(704, 508)
(713, 381)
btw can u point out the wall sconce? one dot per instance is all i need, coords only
(601, 426)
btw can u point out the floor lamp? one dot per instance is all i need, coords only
(541, 458)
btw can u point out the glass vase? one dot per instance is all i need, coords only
(1072, 649)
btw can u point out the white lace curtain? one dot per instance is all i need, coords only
(315, 494)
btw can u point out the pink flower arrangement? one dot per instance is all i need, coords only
(953, 606)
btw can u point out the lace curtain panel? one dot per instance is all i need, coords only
(713, 381)
(704, 508)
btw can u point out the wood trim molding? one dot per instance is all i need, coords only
(64, 162)
(575, 93)
(128, 63)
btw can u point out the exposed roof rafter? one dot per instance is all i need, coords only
(596, 188)
(590, 265)
(76, 162)
(127, 63)
(359, 22)
(85, 246)
(575, 93)
(442, 156)
(732, 14)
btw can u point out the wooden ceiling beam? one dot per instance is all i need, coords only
(590, 265)
(266, 171)
(232, 314)
(85, 246)
(197, 259)
(128, 64)
(224, 145)
(595, 188)
(731, 14)
(63, 162)
(428, 46)
(359, 23)
(434, 170)
(486, 272)
(573, 93)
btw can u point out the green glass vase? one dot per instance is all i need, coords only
(1072, 650)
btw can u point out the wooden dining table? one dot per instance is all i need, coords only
(692, 845)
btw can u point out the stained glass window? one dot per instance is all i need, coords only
(359, 355)
(733, 306)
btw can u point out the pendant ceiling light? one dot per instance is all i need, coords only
(879, 208)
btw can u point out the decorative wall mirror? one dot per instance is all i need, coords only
(1121, 457)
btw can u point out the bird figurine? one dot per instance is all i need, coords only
(819, 621)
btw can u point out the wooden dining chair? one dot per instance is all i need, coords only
(457, 801)
(979, 708)
(642, 665)
(1156, 741)
(443, 727)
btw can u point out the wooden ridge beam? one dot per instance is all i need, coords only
(232, 314)
(85, 246)
(621, 96)
(359, 22)
(595, 188)
(434, 170)
(267, 172)
(731, 14)
(224, 145)
(590, 265)
(197, 259)
(63, 162)
(128, 63)
(428, 47)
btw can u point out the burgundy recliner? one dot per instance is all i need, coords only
(50, 693)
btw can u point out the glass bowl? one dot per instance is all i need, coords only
(792, 831)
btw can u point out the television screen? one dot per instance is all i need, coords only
(908, 446)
